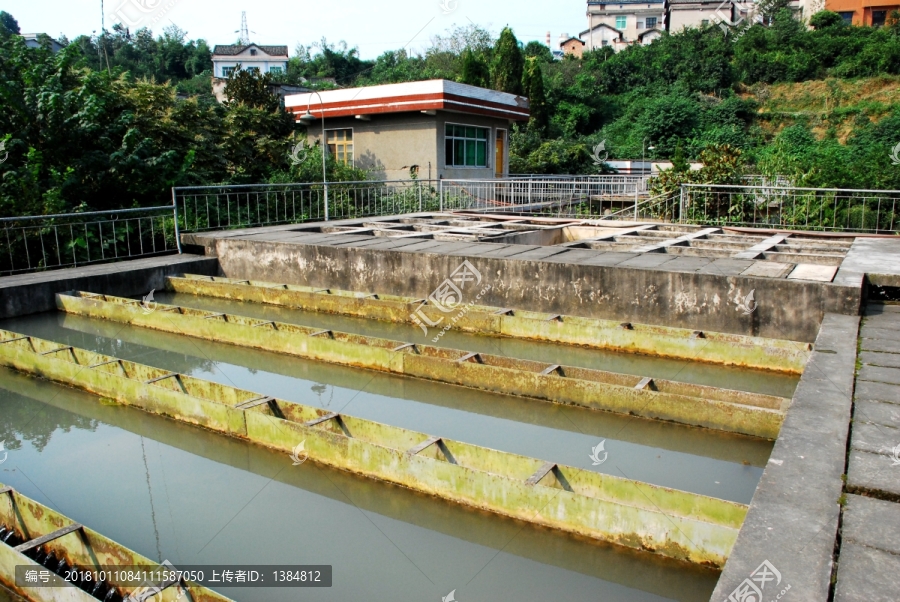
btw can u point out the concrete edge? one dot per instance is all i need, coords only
(34, 293)
(793, 519)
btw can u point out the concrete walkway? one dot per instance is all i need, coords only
(869, 555)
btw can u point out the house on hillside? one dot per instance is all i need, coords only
(571, 46)
(36, 40)
(265, 59)
(626, 18)
(863, 12)
(437, 128)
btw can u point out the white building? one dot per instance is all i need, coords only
(265, 59)
(618, 23)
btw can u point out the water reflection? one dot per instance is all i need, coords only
(173, 491)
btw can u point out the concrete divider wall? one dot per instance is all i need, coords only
(32, 293)
(707, 300)
(793, 518)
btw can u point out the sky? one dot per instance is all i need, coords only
(374, 26)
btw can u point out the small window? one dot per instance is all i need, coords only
(604, 43)
(847, 17)
(227, 71)
(704, 22)
(465, 146)
(276, 70)
(651, 22)
(621, 22)
(878, 17)
(340, 145)
(640, 25)
(253, 52)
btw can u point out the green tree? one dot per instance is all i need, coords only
(475, 71)
(8, 24)
(533, 88)
(508, 65)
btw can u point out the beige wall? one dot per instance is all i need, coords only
(632, 13)
(388, 144)
(679, 18)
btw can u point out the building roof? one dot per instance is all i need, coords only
(235, 49)
(429, 95)
(573, 38)
(648, 32)
(603, 26)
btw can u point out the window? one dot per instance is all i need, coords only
(253, 69)
(604, 43)
(878, 17)
(651, 22)
(276, 70)
(253, 52)
(704, 22)
(847, 17)
(340, 145)
(640, 25)
(621, 22)
(465, 146)
(227, 71)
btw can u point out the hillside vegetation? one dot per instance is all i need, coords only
(115, 120)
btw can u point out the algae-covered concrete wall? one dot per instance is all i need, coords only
(704, 300)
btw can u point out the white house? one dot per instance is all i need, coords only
(265, 59)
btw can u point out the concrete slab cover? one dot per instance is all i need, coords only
(609, 258)
(810, 271)
(872, 391)
(880, 375)
(873, 473)
(890, 360)
(727, 267)
(793, 519)
(647, 260)
(768, 269)
(876, 257)
(867, 575)
(878, 412)
(872, 522)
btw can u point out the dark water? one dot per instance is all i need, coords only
(691, 459)
(755, 381)
(179, 493)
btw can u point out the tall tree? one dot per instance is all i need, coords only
(533, 87)
(509, 64)
(8, 24)
(475, 71)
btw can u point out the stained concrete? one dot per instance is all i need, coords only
(25, 294)
(866, 575)
(793, 518)
(696, 293)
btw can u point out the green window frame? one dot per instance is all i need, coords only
(466, 145)
(621, 22)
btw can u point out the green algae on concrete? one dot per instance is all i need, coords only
(82, 548)
(677, 524)
(661, 341)
(711, 407)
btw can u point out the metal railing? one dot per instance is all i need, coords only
(786, 207)
(252, 205)
(573, 197)
(43, 242)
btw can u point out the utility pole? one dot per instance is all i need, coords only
(245, 31)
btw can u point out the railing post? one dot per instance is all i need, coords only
(441, 195)
(635, 201)
(419, 190)
(326, 200)
(175, 216)
(681, 206)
